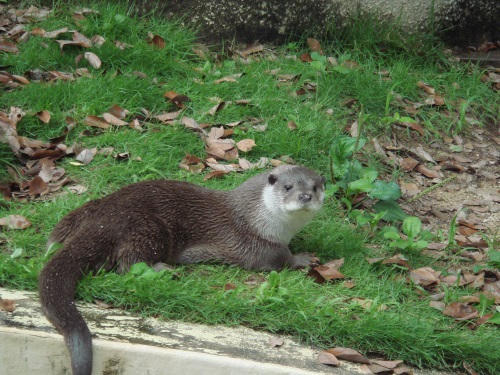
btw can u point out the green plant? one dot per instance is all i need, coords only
(415, 238)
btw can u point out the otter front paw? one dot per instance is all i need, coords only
(304, 260)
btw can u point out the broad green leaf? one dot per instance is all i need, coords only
(317, 65)
(394, 212)
(385, 190)
(17, 253)
(412, 226)
(391, 235)
(317, 57)
(420, 245)
(495, 319)
(341, 69)
(361, 186)
(400, 243)
(369, 174)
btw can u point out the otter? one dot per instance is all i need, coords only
(175, 222)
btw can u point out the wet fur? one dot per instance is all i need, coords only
(175, 222)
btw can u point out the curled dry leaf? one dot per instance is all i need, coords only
(7, 305)
(426, 87)
(157, 41)
(246, 145)
(93, 60)
(8, 47)
(314, 45)
(276, 341)
(407, 164)
(216, 108)
(38, 186)
(424, 276)
(113, 120)
(327, 358)
(460, 311)
(14, 222)
(96, 122)
(431, 173)
(177, 99)
(252, 48)
(117, 111)
(348, 354)
(214, 174)
(44, 116)
(86, 155)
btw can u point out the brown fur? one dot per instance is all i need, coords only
(173, 222)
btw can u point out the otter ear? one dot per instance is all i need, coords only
(272, 179)
(323, 180)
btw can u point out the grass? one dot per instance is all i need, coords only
(288, 302)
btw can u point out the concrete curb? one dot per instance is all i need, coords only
(127, 344)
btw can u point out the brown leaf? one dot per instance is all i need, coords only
(14, 222)
(7, 305)
(44, 116)
(96, 121)
(229, 286)
(55, 33)
(460, 311)
(328, 358)
(218, 107)
(431, 173)
(93, 60)
(324, 273)
(157, 41)
(38, 186)
(397, 259)
(113, 120)
(306, 57)
(177, 99)
(214, 174)
(252, 48)
(426, 87)
(348, 354)
(413, 125)
(191, 123)
(424, 276)
(117, 111)
(246, 145)
(7, 46)
(314, 45)
(168, 117)
(439, 305)
(276, 341)
(86, 155)
(407, 164)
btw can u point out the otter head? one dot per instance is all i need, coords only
(293, 195)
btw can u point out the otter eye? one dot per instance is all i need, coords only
(288, 187)
(315, 189)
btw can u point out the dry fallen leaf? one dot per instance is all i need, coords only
(86, 155)
(157, 41)
(460, 311)
(276, 341)
(93, 60)
(426, 87)
(348, 354)
(327, 358)
(424, 276)
(96, 121)
(314, 45)
(246, 145)
(44, 116)
(14, 222)
(113, 120)
(7, 305)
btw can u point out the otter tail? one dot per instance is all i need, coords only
(57, 285)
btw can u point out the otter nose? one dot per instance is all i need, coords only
(305, 197)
